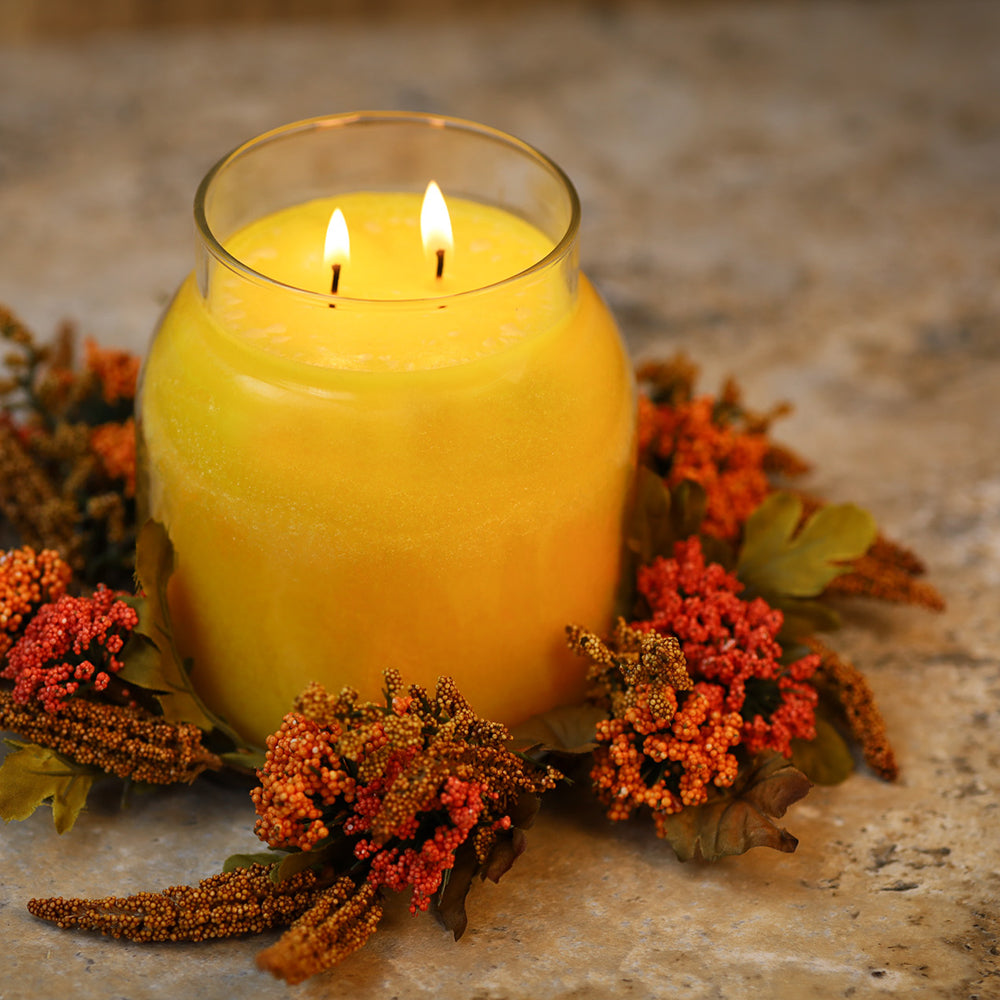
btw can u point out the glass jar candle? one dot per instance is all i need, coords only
(386, 454)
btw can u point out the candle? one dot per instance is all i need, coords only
(429, 476)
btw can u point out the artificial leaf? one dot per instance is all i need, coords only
(245, 759)
(662, 517)
(825, 760)
(650, 532)
(69, 801)
(297, 861)
(507, 849)
(739, 818)
(689, 504)
(32, 774)
(154, 564)
(775, 559)
(569, 729)
(450, 901)
(142, 661)
(659, 518)
(510, 844)
(235, 861)
(524, 810)
(802, 618)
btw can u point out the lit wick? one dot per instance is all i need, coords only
(336, 250)
(435, 226)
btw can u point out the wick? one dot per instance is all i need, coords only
(334, 283)
(440, 264)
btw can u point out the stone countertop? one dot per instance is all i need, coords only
(803, 194)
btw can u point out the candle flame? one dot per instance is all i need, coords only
(337, 249)
(435, 223)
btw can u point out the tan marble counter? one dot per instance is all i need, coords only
(804, 194)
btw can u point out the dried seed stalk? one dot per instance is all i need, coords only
(118, 739)
(243, 901)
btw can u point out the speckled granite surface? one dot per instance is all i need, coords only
(802, 194)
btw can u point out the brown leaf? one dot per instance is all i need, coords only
(570, 729)
(168, 675)
(450, 902)
(509, 847)
(739, 819)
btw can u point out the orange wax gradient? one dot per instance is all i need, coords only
(388, 483)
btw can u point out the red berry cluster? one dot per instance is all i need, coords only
(731, 646)
(70, 644)
(422, 866)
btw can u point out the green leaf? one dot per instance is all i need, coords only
(775, 559)
(826, 760)
(235, 861)
(33, 774)
(570, 729)
(740, 818)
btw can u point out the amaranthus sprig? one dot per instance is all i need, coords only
(242, 901)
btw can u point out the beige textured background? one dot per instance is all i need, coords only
(804, 194)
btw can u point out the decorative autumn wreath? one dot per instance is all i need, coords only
(713, 704)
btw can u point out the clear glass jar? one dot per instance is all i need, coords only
(431, 477)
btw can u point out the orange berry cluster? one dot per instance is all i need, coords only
(404, 785)
(666, 740)
(27, 581)
(116, 370)
(302, 778)
(114, 446)
(685, 440)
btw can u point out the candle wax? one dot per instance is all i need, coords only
(388, 483)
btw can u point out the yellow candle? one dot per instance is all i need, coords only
(430, 475)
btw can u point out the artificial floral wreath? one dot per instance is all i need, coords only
(713, 704)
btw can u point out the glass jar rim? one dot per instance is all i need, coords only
(562, 249)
